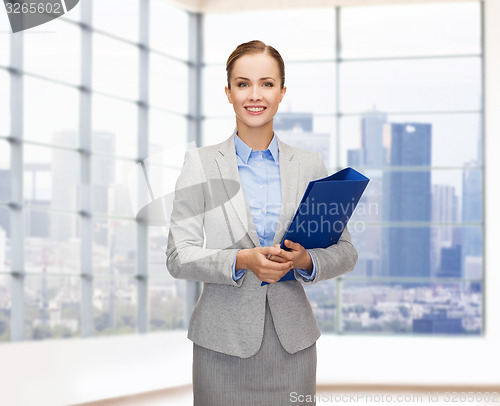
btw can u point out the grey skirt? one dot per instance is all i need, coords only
(270, 377)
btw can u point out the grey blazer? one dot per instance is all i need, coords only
(211, 221)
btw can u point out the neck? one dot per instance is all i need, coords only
(256, 138)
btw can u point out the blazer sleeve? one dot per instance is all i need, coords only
(336, 260)
(186, 256)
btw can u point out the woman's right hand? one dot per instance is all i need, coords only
(255, 259)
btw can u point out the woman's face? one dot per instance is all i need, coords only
(255, 90)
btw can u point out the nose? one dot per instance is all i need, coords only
(255, 93)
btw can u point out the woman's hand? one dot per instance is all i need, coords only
(297, 254)
(265, 269)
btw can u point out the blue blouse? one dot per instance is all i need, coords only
(261, 182)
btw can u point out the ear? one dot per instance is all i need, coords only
(228, 94)
(283, 91)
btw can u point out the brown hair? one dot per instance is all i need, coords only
(254, 47)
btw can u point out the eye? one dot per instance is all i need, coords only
(241, 84)
(268, 84)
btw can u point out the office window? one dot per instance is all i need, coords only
(51, 178)
(167, 306)
(114, 248)
(52, 244)
(115, 67)
(165, 130)
(51, 307)
(168, 85)
(4, 241)
(115, 306)
(77, 212)
(4, 40)
(282, 29)
(114, 127)
(452, 84)
(5, 182)
(4, 307)
(414, 127)
(54, 54)
(50, 113)
(117, 17)
(4, 102)
(422, 29)
(462, 130)
(168, 29)
(447, 308)
(403, 101)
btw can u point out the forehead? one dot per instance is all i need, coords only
(255, 66)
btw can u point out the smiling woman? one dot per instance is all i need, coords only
(243, 331)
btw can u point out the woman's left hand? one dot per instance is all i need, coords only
(297, 254)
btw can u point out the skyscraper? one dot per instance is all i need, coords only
(407, 199)
(472, 212)
(370, 155)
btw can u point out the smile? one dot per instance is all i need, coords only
(255, 110)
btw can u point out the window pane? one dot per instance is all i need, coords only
(217, 130)
(214, 99)
(404, 308)
(5, 40)
(411, 85)
(4, 99)
(115, 67)
(52, 244)
(442, 196)
(168, 85)
(412, 251)
(310, 88)
(423, 29)
(165, 130)
(51, 177)
(309, 132)
(363, 138)
(50, 112)
(118, 17)
(110, 186)
(223, 33)
(5, 178)
(5, 260)
(166, 304)
(115, 245)
(114, 124)
(115, 306)
(168, 29)
(51, 307)
(55, 54)
(323, 298)
(5, 301)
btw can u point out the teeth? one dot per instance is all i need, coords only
(255, 108)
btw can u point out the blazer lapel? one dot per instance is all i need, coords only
(228, 168)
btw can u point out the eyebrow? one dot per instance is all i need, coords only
(240, 77)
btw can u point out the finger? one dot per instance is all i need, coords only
(293, 245)
(271, 250)
(280, 267)
(276, 258)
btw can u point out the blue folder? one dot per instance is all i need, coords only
(324, 211)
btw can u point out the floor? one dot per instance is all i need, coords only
(370, 396)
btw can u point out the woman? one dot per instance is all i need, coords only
(253, 344)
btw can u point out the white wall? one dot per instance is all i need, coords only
(64, 372)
